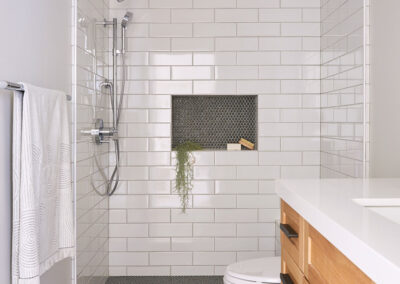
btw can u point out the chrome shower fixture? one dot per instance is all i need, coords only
(126, 19)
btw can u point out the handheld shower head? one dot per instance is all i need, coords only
(126, 19)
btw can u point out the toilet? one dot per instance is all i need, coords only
(254, 271)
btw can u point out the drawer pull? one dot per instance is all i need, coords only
(288, 231)
(285, 278)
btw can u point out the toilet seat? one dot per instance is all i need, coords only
(254, 271)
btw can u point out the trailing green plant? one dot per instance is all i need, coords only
(184, 170)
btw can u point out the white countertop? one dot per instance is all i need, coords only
(370, 240)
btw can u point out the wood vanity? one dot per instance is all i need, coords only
(309, 258)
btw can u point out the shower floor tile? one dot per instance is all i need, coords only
(166, 280)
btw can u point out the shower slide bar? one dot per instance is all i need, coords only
(18, 87)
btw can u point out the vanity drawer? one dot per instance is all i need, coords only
(290, 273)
(325, 264)
(292, 234)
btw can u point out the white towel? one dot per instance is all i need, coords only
(42, 192)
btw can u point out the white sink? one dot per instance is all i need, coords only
(387, 207)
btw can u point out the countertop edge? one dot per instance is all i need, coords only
(374, 265)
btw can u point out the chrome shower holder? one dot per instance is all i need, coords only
(100, 133)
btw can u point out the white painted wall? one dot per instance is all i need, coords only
(385, 88)
(36, 48)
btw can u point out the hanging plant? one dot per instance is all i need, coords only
(184, 170)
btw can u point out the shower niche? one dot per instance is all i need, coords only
(214, 121)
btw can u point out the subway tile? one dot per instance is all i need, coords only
(170, 30)
(160, 115)
(258, 172)
(128, 230)
(258, 87)
(148, 44)
(148, 215)
(166, 201)
(256, 230)
(269, 144)
(236, 15)
(300, 144)
(258, 201)
(214, 58)
(170, 230)
(214, 201)
(203, 187)
(128, 258)
(280, 15)
(174, 58)
(227, 87)
(149, 130)
(301, 86)
(117, 244)
(148, 159)
(214, 4)
(268, 115)
(218, 172)
(236, 44)
(236, 187)
(258, 3)
(154, 101)
(236, 244)
(300, 3)
(268, 215)
(159, 144)
(300, 172)
(192, 15)
(300, 29)
(311, 15)
(133, 144)
(170, 4)
(162, 173)
(236, 158)
(148, 73)
(280, 129)
(192, 73)
(192, 215)
(279, 101)
(280, 158)
(128, 201)
(170, 258)
(149, 244)
(300, 58)
(193, 44)
(266, 187)
(137, 115)
(245, 255)
(148, 15)
(212, 229)
(117, 216)
(129, 4)
(236, 72)
(192, 244)
(214, 29)
(280, 72)
(258, 29)
(235, 215)
(280, 43)
(215, 258)
(258, 58)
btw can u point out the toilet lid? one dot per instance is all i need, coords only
(265, 269)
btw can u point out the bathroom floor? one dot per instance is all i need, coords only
(166, 280)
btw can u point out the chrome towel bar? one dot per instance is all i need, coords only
(18, 87)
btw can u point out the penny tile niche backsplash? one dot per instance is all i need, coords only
(267, 49)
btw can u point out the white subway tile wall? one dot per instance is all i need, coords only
(90, 48)
(269, 48)
(344, 89)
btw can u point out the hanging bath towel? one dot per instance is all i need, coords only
(42, 191)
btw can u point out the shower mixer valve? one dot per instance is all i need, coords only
(101, 133)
